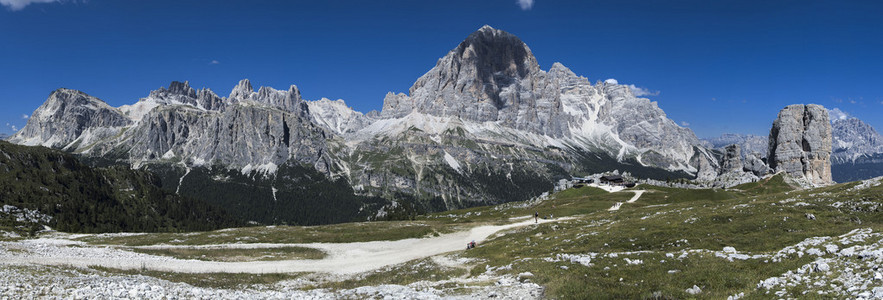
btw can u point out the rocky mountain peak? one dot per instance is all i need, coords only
(854, 140)
(496, 54)
(294, 93)
(480, 67)
(63, 99)
(242, 90)
(559, 70)
(182, 88)
(178, 93)
(177, 90)
(337, 116)
(65, 116)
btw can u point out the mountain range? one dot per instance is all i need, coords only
(857, 148)
(485, 125)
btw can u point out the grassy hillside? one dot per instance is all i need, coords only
(658, 247)
(55, 189)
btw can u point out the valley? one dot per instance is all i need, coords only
(751, 241)
(403, 150)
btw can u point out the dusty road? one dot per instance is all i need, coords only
(343, 258)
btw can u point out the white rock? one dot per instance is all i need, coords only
(831, 248)
(822, 267)
(694, 290)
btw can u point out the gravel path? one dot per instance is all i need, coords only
(634, 198)
(343, 258)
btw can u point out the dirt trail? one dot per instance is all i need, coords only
(343, 258)
(638, 194)
(634, 198)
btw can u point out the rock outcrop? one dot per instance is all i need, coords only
(754, 163)
(337, 116)
(68, 116)
(732, 160)
(800, 143)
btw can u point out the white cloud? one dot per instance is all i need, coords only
(611, 81)
(837, 114)
(641, 92)
(214, 62)
(684, 123)
(524, 4)
(25, 116)
(20, 4)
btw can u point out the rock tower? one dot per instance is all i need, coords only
(800, 143)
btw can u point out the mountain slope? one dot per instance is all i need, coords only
(485, 125)
(854, 141)
(492, 78)
(69, 196)
(858, 150)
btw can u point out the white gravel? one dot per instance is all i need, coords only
(343, 258)
(852, 272)
(58, 267)
(30, 282)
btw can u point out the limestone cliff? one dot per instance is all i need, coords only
(800, 143)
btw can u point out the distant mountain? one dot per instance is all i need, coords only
(49, 187)
(747, 142)
(857, 148)
(485, 125)
(3, 136)
(854, 141)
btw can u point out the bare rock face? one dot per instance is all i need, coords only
(486, 111)
(181, 93)
(732, 159)
(854, 141)
(492, 77)
(337, 116)
(800, 143)
(754, 163)
(68, 116)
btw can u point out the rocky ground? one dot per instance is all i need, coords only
(34, 268)
(848, 266)
(28, 282)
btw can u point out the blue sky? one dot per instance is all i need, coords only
(718, 66)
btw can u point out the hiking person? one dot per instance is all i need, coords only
(536, 217)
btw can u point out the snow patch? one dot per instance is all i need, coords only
(265, 169)
(453, 162)
(181, 181)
